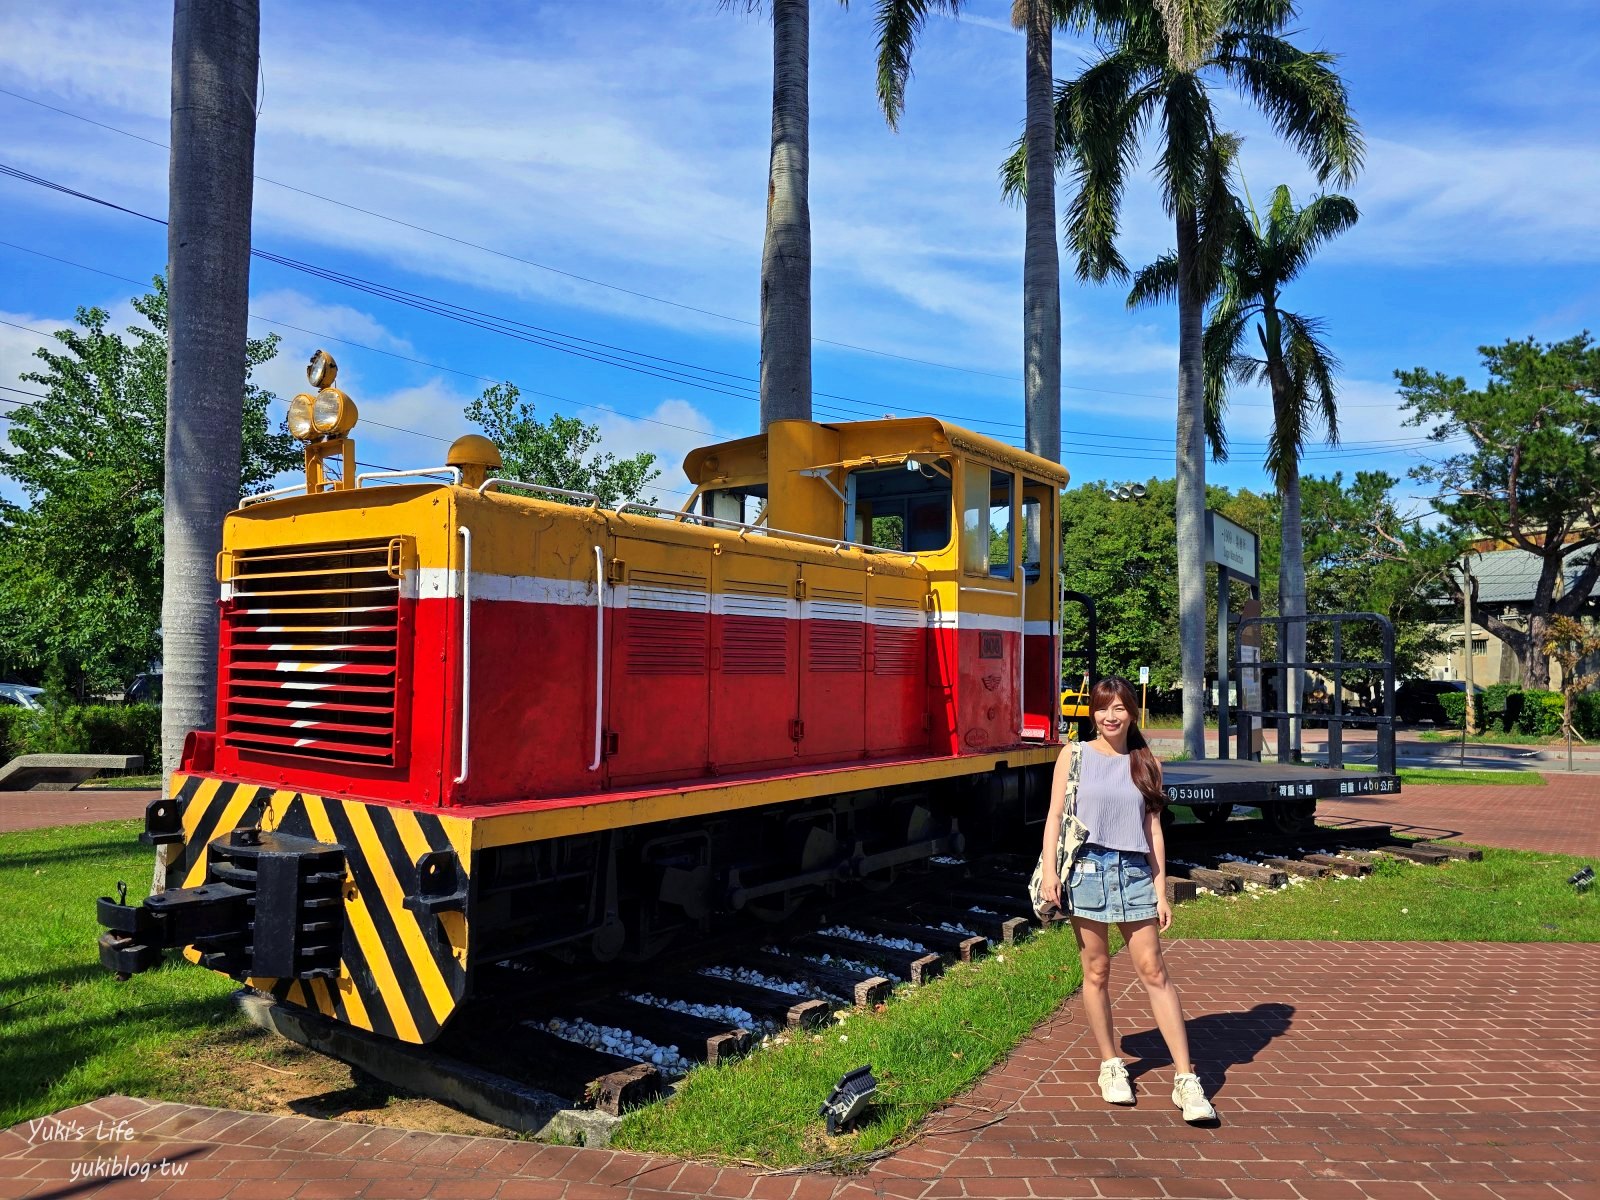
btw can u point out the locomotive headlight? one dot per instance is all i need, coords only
(332, 412)
(300, 416)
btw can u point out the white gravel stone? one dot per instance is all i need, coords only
(736, 1018)
(757, 979)
(620, 1042)
(952, 927)
(873, 939)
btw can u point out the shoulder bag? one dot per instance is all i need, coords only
(1074, 833)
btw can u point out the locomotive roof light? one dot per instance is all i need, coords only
(300, 416)
(321, 371)
(321, 419)
(327, 413)
(333, 413)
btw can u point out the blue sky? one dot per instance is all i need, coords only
(627, 143)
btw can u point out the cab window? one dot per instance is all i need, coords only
(900, 508)
(987, 530)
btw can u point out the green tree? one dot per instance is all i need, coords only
(558, 452)
(1259, 259)
(1363, 555)
(1529, 474)
(1124, 556)
(81, 568)
(1158, 68)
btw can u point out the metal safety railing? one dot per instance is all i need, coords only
(1335, 667)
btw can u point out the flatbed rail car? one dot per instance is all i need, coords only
(466, 720)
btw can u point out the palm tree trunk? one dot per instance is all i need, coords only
(1191, 499)
(1041, 265)
(786, 257)
(215, 51)
(1292, 592)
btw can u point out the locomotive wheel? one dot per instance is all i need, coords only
(1211, 814)
(1289, 817)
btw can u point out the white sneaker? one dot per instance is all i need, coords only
(1188, 1095)
(1114, 1085)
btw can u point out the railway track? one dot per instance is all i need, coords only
(540, 1048)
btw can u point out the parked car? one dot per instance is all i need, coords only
(21, 695)
(145, 689)
(1074, 704)
(1417, 700)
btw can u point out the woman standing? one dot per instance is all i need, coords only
(1120, 876)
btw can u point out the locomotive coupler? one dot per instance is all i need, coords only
(271, 907)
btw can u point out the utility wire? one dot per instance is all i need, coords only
(460, 241)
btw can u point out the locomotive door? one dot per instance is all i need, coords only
(754, 647)
(833, 663)
(657, 687)
(1040, 545)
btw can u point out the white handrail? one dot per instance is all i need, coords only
(257, 497)
(453, 472)
(588, 497)
(761, 530)
(599, 651)
(466, 645)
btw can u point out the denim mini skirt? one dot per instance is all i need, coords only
(1112, 885)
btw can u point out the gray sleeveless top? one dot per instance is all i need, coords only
(1109, 803)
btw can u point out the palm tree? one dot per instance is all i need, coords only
(215, 54)
(1161, 61)
(786, 253)
(1259, 258)
(1041, 264)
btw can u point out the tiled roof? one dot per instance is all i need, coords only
(1510, 576)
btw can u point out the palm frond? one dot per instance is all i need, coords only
(1105, 114)
(1302, 96)
(1314, 365)
(1222, 221)
(898, 23)
(1155, 283)
(1188, 133)
(1221, 362)
(1303, 232)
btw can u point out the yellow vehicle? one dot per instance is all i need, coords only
(1074, 705)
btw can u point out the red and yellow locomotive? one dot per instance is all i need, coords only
(463, 720)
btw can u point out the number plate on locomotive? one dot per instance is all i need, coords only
(1184, 794)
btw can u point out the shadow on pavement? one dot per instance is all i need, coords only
(1217, 1041)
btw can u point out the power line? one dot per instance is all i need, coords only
(602, 283)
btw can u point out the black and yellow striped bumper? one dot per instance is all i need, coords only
(403, 963)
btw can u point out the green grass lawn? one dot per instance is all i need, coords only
(1428, 775)
(1497, 738)
(71, 1032)
(121, 783)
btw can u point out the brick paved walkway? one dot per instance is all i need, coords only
(38, 810)
(1442, 1071)
(1563, 816)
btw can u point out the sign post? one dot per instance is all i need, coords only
(1237, 553)
(1144, 692)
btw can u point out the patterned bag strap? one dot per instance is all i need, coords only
(1074, 769)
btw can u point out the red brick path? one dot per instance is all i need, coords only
(1442, 1071)
(39, 810)
(1563, 816)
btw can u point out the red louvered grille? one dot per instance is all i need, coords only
(311, 653)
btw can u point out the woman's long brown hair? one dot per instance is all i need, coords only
(1144, 767)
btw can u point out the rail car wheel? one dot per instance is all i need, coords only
(1290, 816)
(1211, 814)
